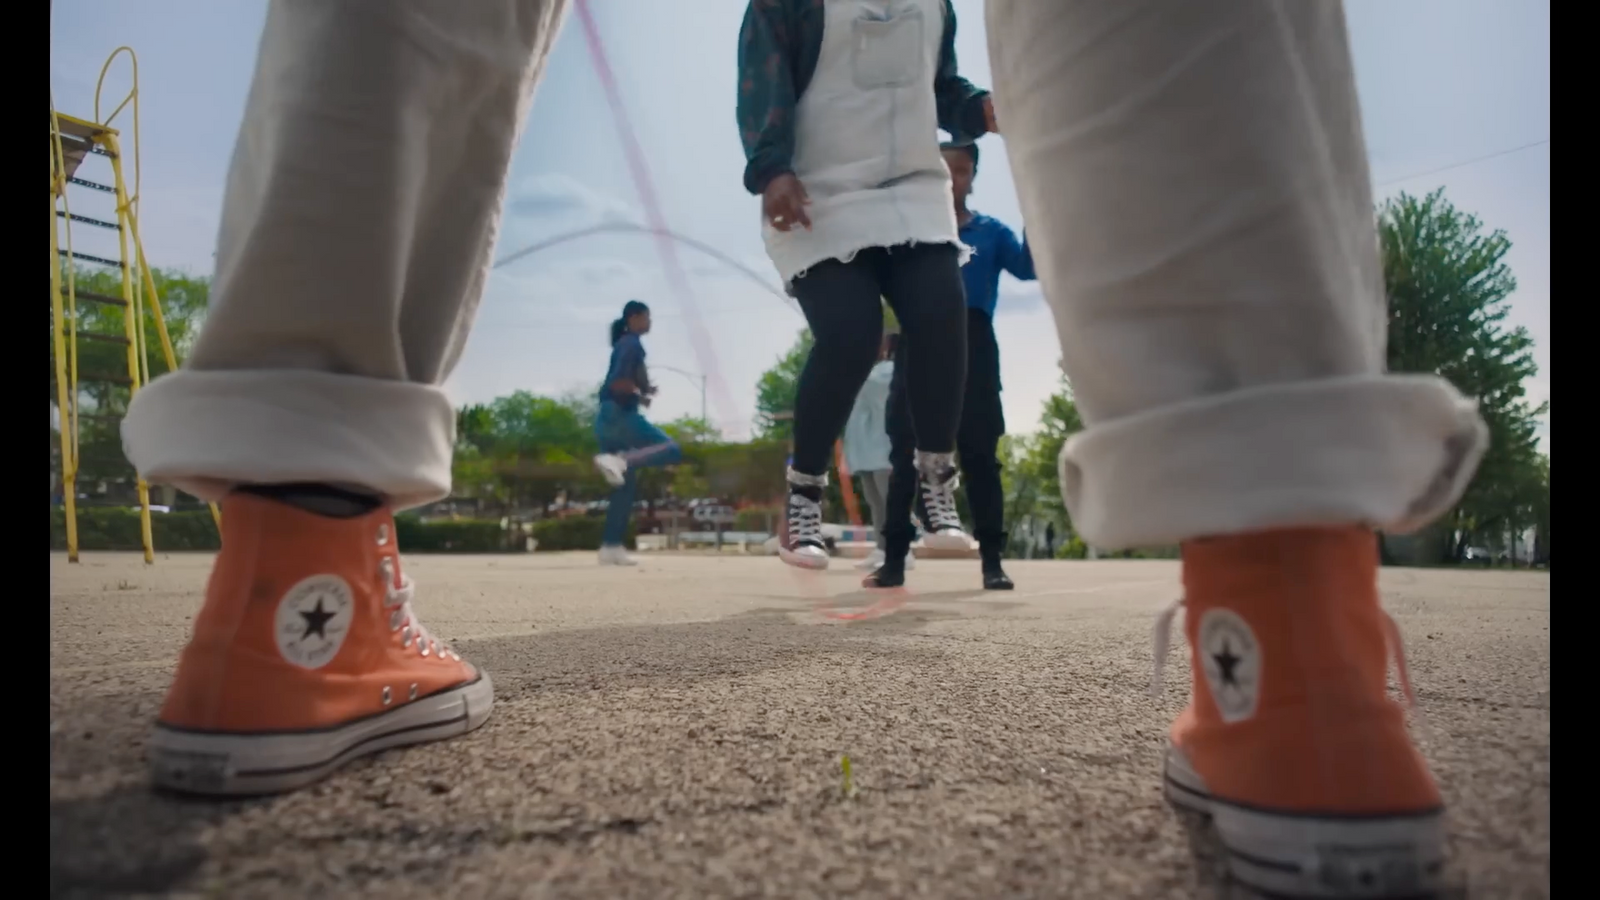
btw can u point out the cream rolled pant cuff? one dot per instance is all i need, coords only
(205, 432)
(1391, 452)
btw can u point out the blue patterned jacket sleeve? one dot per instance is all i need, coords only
(960, 102)
(777, 55)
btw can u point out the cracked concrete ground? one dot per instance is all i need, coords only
(675, 730)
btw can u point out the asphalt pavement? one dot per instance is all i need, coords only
(675, 730)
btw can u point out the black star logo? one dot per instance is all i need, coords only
(1227, 662)
(316, 621)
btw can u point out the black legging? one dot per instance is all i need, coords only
(922, 284)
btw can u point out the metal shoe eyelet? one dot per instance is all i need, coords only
(413, 692)
(386, 696)
(383, 534)
(405, 638)
(422, 647)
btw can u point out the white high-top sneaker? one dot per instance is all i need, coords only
(938, 483)
(804, 548)
(615, 555)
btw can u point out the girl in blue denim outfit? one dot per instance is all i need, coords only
(627, 441)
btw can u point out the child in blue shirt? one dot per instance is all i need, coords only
(995, 248)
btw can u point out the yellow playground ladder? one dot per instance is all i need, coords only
(72, 142)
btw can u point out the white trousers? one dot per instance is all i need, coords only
(361, 210)
(1195, 185)
(1192, 175)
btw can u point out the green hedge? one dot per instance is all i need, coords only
(1072, 548)
(117, 528)
(460, 536)
(575, 533)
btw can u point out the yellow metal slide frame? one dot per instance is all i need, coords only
(72, 141)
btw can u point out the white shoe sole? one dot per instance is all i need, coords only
(1330, 857)
(802, 560)
(947, 542)
(234, 764)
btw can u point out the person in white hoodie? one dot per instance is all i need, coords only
(866, 444)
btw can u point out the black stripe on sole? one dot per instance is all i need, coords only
(352, 749)
(1304, 814)
(326, 767)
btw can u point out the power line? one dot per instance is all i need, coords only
(1464, 163)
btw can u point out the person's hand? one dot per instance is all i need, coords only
(784, 201)
(988, 116)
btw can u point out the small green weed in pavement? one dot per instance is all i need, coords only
(848, 785)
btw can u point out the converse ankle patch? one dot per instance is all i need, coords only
(1231, 658)
(313, 620)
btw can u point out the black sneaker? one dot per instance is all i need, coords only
(891, 574)
(995, 579)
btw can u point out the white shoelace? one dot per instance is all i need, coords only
(397, 600)
(1397, 649)
(805, 520)
(940, 499)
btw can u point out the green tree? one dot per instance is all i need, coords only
(524, 449)
(1541, 514)
(1448, 288)
(103, 364)
(776, 390)
(1020, 484)
(688, 430)
(778, 386)
(1058, 420)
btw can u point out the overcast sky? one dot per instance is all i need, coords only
(1455, 93)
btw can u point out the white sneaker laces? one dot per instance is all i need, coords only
(805, 520)
(397, 600)
(940, 499)
(1163, 641)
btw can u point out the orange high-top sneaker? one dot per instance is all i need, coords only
(306, 655)
(1291, 743)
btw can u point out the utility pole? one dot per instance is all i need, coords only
(692, 376)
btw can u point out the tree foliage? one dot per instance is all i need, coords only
(1448, 287)
(524, 452)
(103, 365)
(777, 388)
